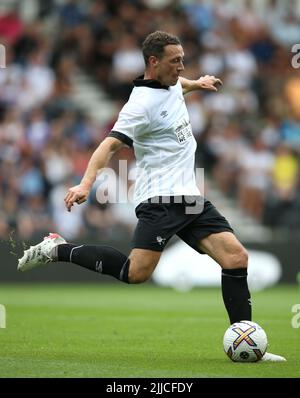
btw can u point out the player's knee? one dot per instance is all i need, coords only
(142, 266)
(237, 259)
(240, 258)
(138, 276)
(243, 259)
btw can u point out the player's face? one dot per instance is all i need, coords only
(170, 65)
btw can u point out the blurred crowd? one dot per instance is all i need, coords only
(248, 132)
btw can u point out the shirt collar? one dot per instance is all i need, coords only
(141, 82)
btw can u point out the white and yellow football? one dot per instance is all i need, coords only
(245, 341)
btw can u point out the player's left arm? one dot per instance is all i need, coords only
(206, 82)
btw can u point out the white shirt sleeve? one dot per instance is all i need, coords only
(132, 120)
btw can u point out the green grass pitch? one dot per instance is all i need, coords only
(114, 330)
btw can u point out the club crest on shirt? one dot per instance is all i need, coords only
(98, 266)
(161, 241)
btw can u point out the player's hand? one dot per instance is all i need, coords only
(77, 194)
(208, 82)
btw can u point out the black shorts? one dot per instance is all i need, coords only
(158, 222)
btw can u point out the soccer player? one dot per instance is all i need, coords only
(155, 122)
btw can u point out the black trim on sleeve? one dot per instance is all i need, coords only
(122, 137)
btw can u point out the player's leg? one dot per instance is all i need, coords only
(153, 223)
(230, 254)
(152, 232)
(210, 233)
(107, 260)
(136, 268)
(142, 264)
(227, 251)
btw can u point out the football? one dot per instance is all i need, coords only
(245, 341)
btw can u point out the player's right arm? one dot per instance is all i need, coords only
(99, 159)
(131, 117)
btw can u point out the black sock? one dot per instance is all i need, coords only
(102, 259)
(236, 294)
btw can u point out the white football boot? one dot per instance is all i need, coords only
(41, 253)
(272, 358)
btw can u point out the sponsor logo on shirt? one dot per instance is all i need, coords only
(183, 131)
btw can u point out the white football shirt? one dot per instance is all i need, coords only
(155, 122)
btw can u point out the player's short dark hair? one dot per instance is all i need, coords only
(155, 43)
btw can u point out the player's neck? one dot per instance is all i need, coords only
(149, 75)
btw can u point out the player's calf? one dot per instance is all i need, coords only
(102, 259)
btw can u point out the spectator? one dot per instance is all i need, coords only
(230, 147)
(285, 173)
(256, 166)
